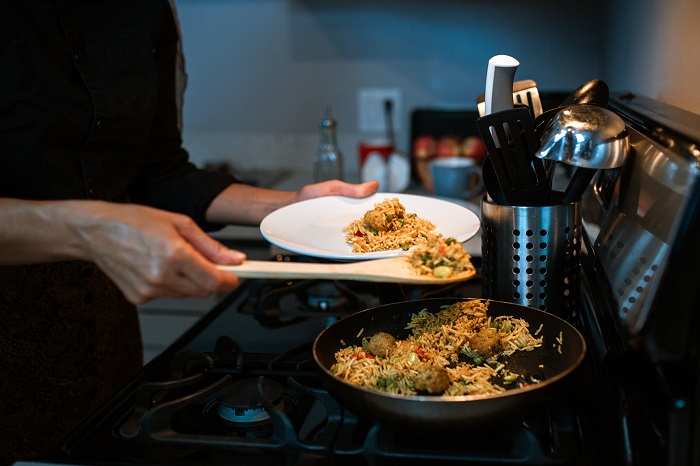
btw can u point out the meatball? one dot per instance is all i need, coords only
(376, 220)
(487, 343)
(386, 218)
(432, 379)
(381, 344)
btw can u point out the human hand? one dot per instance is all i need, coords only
(150, 253)
(337, 188)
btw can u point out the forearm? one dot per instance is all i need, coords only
(242, 204)
(247, 205)
(40, 231)
(147, 252)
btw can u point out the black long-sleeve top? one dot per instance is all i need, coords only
(88, 106)
(88, 110)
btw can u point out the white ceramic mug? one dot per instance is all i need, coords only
(456, 177)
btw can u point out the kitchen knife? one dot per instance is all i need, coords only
(498, 96)
(499, 83)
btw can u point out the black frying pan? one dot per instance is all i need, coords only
(442, 413)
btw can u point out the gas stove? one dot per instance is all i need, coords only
(241, 387)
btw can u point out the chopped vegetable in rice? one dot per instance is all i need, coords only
(452, 352)
(388, 226)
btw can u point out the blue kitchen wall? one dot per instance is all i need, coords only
(261, 71)
(274, 64)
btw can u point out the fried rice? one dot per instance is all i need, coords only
(440, 339)
(388, 226)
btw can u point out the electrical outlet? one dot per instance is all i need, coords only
(371, 115)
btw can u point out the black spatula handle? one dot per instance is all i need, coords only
(510, 142)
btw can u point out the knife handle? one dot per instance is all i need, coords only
(499, 83)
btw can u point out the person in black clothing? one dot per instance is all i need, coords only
(100, 208)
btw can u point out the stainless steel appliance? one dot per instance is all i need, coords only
(240, 387)
(642, 225)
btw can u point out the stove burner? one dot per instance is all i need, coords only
(278, 303)
(325, 296)
(241, 403)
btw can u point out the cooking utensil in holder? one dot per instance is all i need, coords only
(509, 136)
(531, 255)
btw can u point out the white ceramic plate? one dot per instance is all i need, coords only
(315, 227)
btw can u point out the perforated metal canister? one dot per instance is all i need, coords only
(531, 255)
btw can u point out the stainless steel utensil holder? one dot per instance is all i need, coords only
(531, 255)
